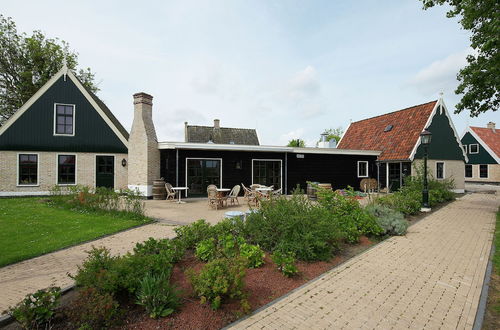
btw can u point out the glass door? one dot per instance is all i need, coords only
(201, 173)
(267, 172)
(394, 176)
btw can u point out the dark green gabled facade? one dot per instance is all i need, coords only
(483, 157)
(444, 143)
(34, 129)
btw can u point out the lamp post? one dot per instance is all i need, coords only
(425, 140)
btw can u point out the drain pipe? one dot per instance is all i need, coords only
(177, 167)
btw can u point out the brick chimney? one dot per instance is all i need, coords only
(491, 125)
(143, 153)
(216, 123)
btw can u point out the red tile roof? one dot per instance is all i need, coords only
(396, 144)
(489, 136)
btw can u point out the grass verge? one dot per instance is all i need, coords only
(30, 227)
(492, 316)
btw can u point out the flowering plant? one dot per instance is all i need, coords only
(38, 309)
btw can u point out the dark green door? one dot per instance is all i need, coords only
(201, 173)
(105, 171)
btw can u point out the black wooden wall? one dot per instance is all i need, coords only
(339, 170)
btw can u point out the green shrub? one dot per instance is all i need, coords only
(117, 275)
(38, 309)
(206, 250)
(125, 202)
(158, 297)
(295, 225)
(352, 218)
(93, 310)
(253, 254)
(392, 221)
(285, 263)
(172, 249)
(218, 280)
(194, 233)
(408, 199)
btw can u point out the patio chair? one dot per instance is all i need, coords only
(171, 193)
(255, 186)
(246, 191)
(276, 193)
(233, 195)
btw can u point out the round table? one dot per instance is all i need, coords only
(179, 190)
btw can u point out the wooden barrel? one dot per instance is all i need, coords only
(159, 191)
(311, 190)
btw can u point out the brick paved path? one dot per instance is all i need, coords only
(19, 279)
(429, 279)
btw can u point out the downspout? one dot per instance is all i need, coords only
(286, 174)
(177, 167)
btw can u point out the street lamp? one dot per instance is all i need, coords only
(425, 140)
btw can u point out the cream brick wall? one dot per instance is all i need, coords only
(47, 171)
(493, 174)
(144, 155)
(453, 169)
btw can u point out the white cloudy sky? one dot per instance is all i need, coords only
(288, 68)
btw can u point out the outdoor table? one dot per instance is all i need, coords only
(234, 214)
(264, 191)
(179, 189)
(221, 192)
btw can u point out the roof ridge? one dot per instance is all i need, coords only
(392, 112)
(221, 127)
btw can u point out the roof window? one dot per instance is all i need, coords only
(388, 128)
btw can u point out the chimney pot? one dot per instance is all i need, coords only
(143, 98)
(216, 123)
(491, 125)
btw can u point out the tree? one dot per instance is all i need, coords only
(334, 133)
(28, 62)
(480, 79)
(297, 143)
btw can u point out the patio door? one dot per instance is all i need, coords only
(200, 173)
(267, 172)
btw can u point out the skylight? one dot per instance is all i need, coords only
(388, 128)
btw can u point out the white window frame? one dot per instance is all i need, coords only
(472, 171)
(271, 160)
(357, 169)
(465, 149)
(470, 149)
(444, 170)
(37, 170)
(199, 158)
(55, 119)
(57, 170)
(114, 169)
(487, 171)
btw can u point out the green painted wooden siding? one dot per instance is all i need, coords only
(444, 144)
(34, 129)
(483, 157)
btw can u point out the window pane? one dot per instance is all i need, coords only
(69, 129)
(468, 171)
(483, 171)
(439, 170)
(60, 109)
(28, 168)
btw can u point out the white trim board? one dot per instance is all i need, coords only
(23, 193)
(64, 71)
(357, 169)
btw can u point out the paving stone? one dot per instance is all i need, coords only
(431, 278)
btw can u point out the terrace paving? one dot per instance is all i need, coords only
(429, 279)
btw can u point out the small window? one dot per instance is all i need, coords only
(440, 170)
(468, 171)
(388, 128)
(362, 169)
(483, 171)
(465, 148)
(28, 170)
(66, 169)
(473, 148)
(64, 119)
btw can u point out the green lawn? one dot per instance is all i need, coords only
(29, 228)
